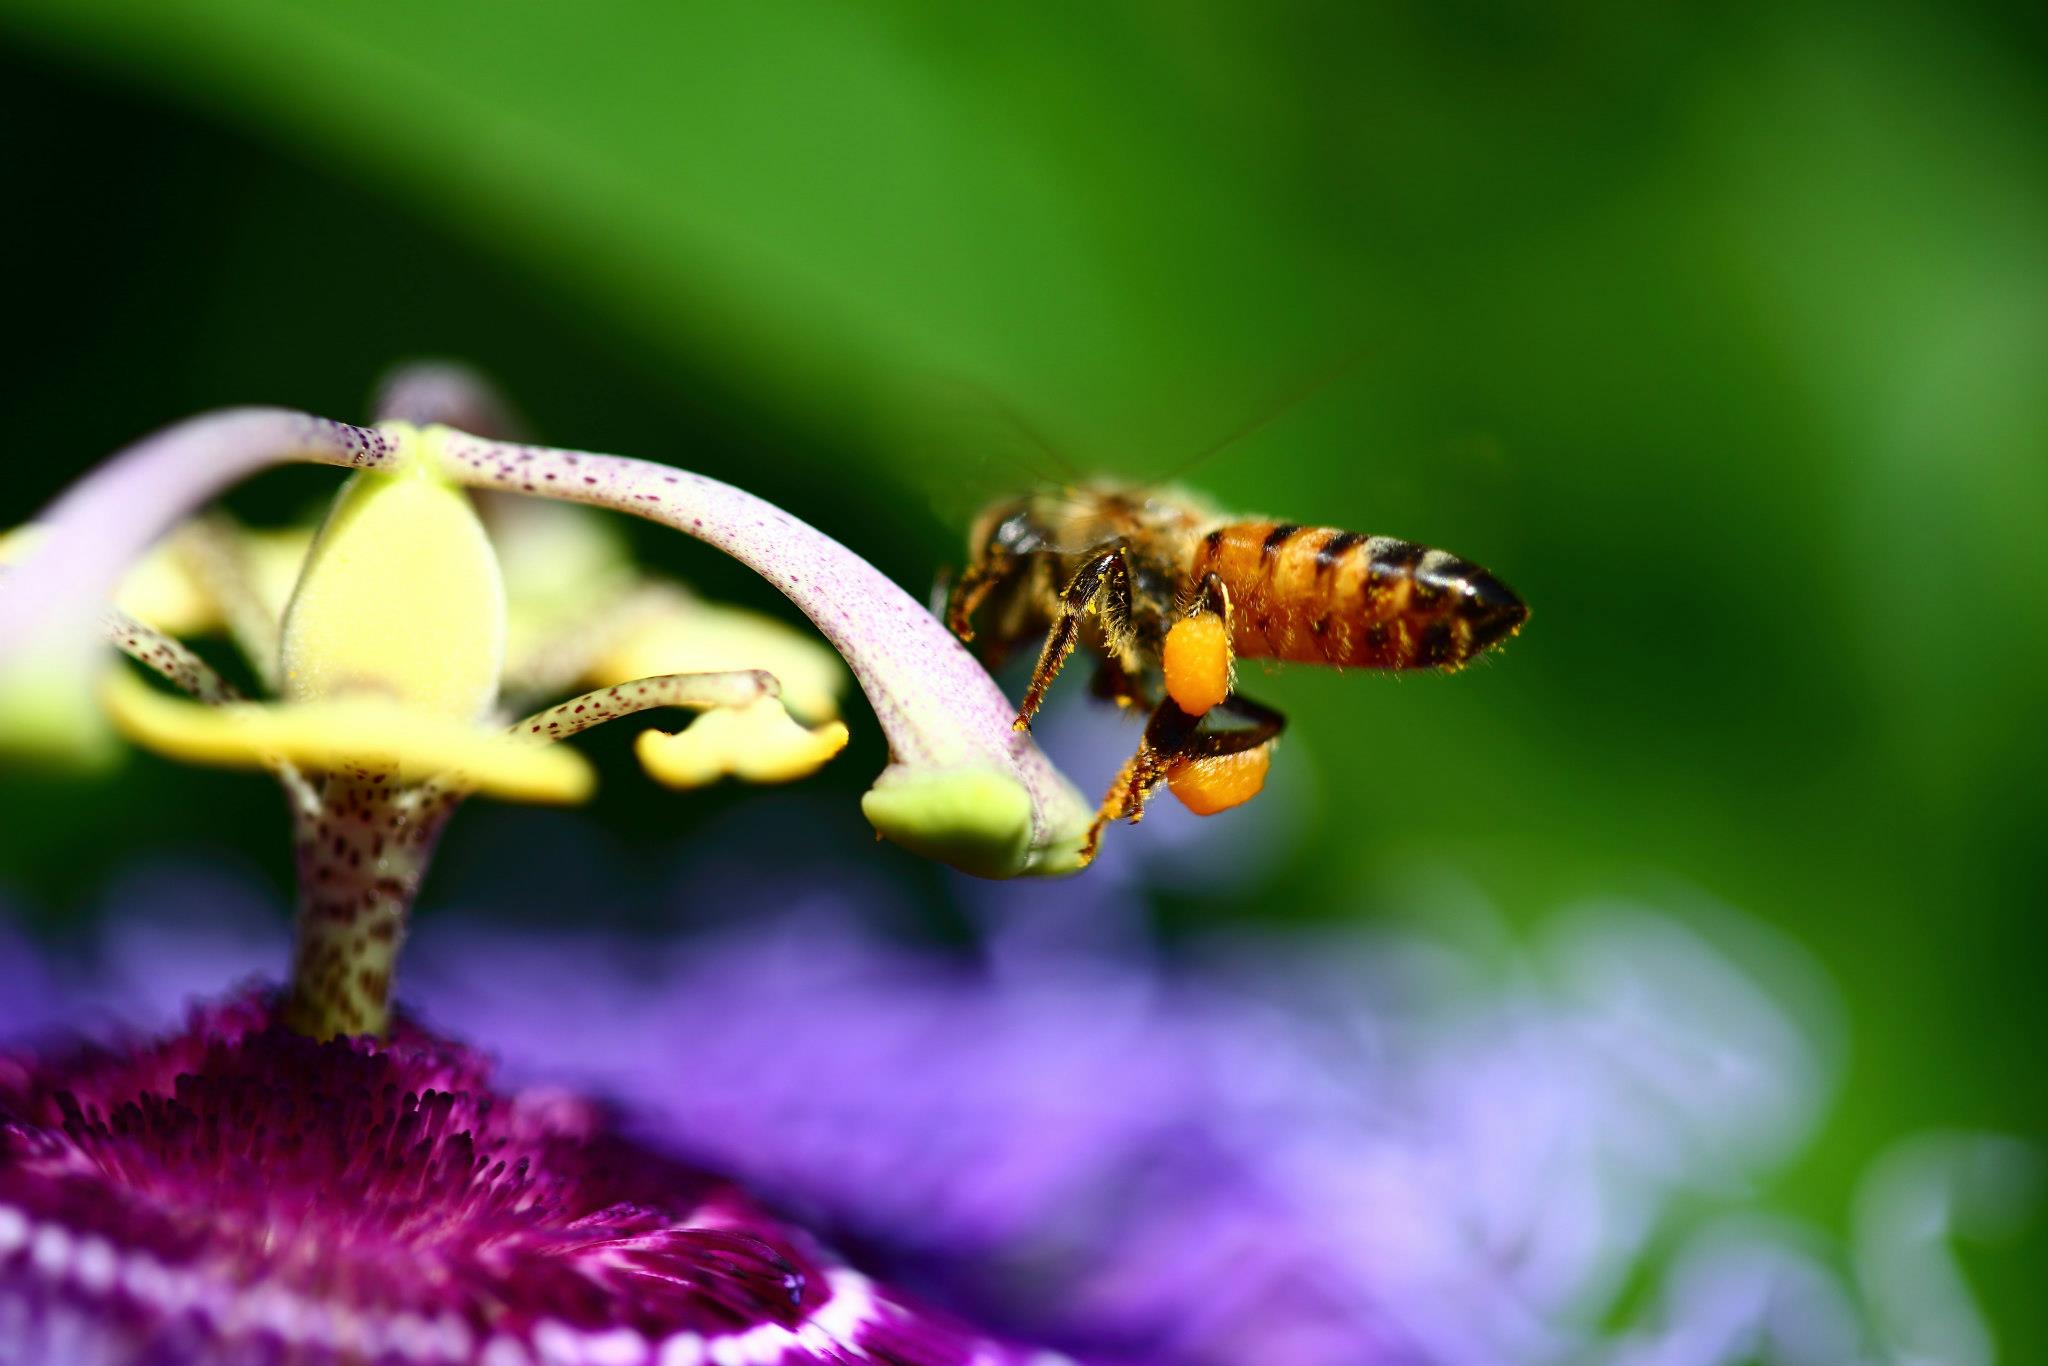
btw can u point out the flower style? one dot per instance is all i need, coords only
(239, 1193)
(391, 657)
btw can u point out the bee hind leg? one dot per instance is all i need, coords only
(1173, 737)
(1197, 661)
(1107, 575)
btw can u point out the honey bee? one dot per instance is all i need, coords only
(1168, 594)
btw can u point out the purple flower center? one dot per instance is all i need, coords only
(243, 1193)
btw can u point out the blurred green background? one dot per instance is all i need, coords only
(1720, 332)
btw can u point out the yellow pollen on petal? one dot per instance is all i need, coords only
(366, 734)
(757, 743)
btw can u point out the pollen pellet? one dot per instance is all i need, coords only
(1207, 786)
(1197, 663)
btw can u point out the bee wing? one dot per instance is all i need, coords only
(1275, 407)
(977, 449)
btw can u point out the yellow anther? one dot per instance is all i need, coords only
(758, 743)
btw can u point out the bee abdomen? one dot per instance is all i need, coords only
(1318, 595)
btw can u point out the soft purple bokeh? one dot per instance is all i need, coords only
(1357, 1149)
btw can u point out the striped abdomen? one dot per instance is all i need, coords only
(1316, 595)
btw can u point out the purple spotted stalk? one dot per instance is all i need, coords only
(910, 666)
(360, 850)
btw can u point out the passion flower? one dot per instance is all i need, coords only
(240, 1193)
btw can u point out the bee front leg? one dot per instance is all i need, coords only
(1107, 574)
(964, 596)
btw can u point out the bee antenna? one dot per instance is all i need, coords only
(1061, 466)
(1062, 470)
(1279, 408)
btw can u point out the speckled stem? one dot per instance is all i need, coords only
(105, 521)
(696, 691)
(938, 707)
(361, 852)
(174, 661)
(170, 658)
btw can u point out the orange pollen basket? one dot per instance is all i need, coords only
(1207, 786)
(1196, 661)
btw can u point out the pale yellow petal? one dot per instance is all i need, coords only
(703, 637)
(156, 591)
(371, 734)
(560, 563)
(47, 720)
(758, 743)
(275, 559)
(159, 591)
(400, 598)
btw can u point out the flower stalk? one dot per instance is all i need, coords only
(360, 852)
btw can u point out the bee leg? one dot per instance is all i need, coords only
(1166, 734)
(1265, 726)
(967, 592)
(1173, 737)
(1108, 574)
(1209, 596)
